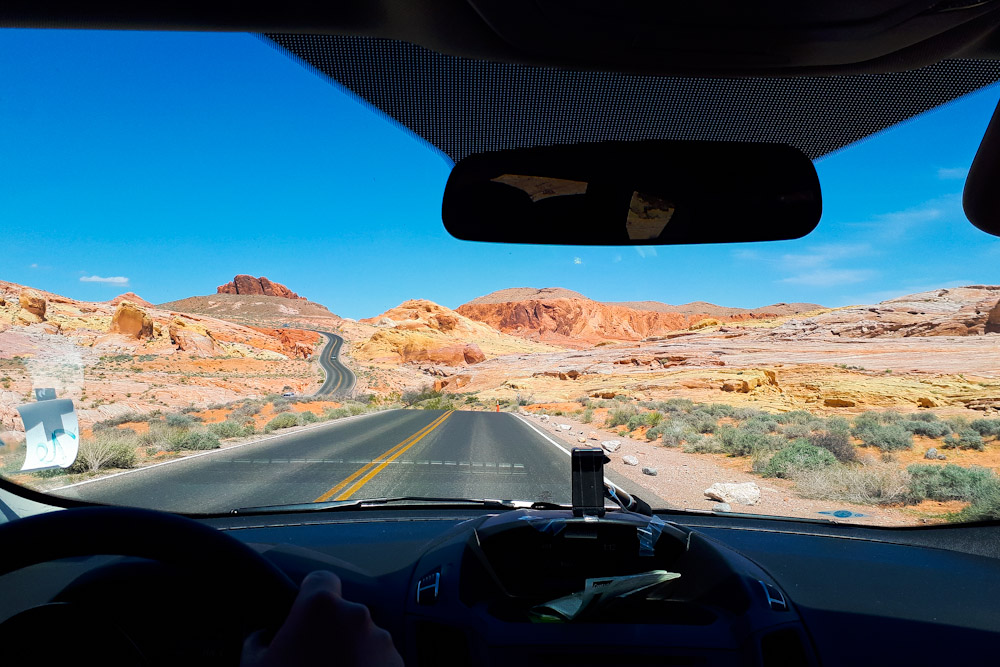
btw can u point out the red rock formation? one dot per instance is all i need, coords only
(130, 296)
(576, 321)
(244, 284)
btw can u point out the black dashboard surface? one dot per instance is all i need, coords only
(862, 595)
(752, 590)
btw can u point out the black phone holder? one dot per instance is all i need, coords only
(588, 481)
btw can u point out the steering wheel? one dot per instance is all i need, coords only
(252, 587)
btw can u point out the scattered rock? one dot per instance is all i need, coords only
(931, 453)
(630, 460)
(611, 445)
(926, 403)
(649, 471)
(838, 403)
(941, 457)
(544, 418)
(131, 320)
(746, 493)
(565, 427)
(581, 440)
(594, 436)
(722, 507)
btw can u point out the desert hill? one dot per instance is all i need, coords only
(773, 310)
(257, 309)
(564, 317)
(959, 311)
(131, 356)
(419, 330)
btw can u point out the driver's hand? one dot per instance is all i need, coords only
(322, 628)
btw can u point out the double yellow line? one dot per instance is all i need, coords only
(369, 470)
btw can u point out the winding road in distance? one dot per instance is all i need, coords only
(339, 378)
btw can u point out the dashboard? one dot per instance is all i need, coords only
(457, 587)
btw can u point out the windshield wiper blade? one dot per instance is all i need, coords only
(337, 505)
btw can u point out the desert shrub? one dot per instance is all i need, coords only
(524, 400)
(308, 417)
(930, 429)
(835, 441)
(742, 442)
(110, 448)
(673, 432)
(762, 423)
(950, 482)
(655, 432)
(957, 423)
(245, 411)
(653, 418)
(192, 440)
(924, 417)
(700, 444)
(795, 417)
(676, 405)
(795, 431)
(634, 422)
(966, 438)
(336, 413)
(619, 417)
(741, 414)
(799, 455)
(886, 437)
(412, 397)
(717, 410)
(588, 416)
(584, 401)
(179, 421)
(871, 482)
(986, 427)
(231, 429)
(437, 403)
(985, 507)
(284, 420)
(702, 423)
(124, 418)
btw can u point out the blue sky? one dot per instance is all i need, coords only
(165, 164)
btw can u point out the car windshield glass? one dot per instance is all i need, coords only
(226, 284)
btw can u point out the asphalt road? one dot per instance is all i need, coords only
(339, 378)
(393, 453)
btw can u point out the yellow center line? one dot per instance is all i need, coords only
(381, 462)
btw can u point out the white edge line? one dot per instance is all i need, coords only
(561, 448)
(216, 451)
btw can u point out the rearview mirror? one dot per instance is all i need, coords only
(634, 193)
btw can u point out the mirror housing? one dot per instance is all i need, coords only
(634, 193)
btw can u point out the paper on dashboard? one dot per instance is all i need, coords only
(599, 590)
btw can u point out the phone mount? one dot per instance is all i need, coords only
(588, 481)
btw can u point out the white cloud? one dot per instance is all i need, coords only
(954, 174)
(577, 260)
(645, 251)
(829, 277)
(822, 255)
(111, 280)
(33, 266)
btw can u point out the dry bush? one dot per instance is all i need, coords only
(871, 482)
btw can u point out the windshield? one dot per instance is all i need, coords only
(226, 284)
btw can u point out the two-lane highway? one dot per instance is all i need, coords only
(426, 453)
(339, 378)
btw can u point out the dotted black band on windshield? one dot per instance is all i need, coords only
(464, 106)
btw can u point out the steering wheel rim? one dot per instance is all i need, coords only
(263, 591)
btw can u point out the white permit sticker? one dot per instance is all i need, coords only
(52, 434)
